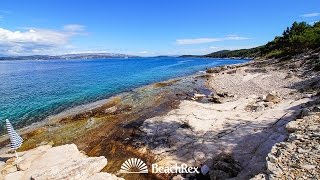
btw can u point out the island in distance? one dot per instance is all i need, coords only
(68, 56)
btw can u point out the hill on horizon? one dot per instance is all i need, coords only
(296, 39)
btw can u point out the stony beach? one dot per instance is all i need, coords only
(252, 105)
(242, 121)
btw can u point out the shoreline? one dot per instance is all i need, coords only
(192, 119)
(120, 110)
(74, 110)
(233, 136)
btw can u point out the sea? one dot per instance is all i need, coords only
(31, 90)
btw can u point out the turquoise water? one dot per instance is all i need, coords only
(32, 90)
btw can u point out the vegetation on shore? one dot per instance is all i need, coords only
(298, 38)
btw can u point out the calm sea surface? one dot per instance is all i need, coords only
(32, 90)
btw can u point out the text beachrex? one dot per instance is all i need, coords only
(135, 165)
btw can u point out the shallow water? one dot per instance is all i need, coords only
(32, 90)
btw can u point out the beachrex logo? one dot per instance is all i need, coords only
(183, 168)
(135, 165)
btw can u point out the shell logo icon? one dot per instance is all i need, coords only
(134, 165)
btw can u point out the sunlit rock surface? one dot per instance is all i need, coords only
(47, 162)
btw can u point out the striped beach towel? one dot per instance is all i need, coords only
(15, 139)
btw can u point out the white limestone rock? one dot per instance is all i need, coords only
(60, 162)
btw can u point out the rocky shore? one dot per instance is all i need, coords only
(242, 120)
(299, 156)
(47, 162)
(255, 120)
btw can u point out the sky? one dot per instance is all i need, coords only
(145, 27)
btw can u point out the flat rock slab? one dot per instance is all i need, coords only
(60, 162)
(197, 132)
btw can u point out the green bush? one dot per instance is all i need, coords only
(294, 40)
(275, 54)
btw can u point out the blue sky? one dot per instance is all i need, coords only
(145, 27)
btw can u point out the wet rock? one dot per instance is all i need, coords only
(90, 122)
(216, 70)
(110, 110)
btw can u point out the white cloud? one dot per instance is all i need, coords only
(208, 40)
(310, 15)
(235, 37)
(36, 40)
(36, 36)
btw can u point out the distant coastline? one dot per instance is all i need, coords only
(204, 56)
(68, 56)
